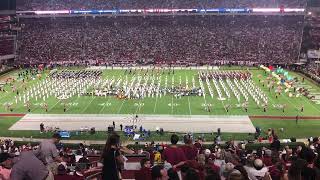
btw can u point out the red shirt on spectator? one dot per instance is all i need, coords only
(173, 155)
(143, 174)
(214, 167)
(190, 151)
(267, 161)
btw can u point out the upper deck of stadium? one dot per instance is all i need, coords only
(33, 5)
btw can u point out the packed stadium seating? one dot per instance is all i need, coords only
(311, 34)
(146, 4)
(6, 45)
(179, 40)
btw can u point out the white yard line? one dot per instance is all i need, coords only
(172, 104)
(120, 106)
(53, 106)
(155, 105)
(185, 73)
(101, 110)
(88, 105)
(205, 101)
(189, 106)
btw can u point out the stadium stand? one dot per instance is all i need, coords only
(6, 45)
(222, 161)
(161, 39)
(311, 34)
(179, 40)
(146, 4)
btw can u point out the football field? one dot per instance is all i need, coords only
(166, 103)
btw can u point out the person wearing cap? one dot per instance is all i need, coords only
(5, 166)
(267, 159)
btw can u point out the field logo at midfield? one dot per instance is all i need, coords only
(105, 104)
(173, 104)
(139, 104)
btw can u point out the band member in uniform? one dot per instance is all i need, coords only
(28, 105)
(45, 106)
(64, 107)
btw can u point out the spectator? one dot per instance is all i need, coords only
(62, 173)
(112, 158)
(192, 175)
(158, 172)
(5, 166)
(243, 172)
(84, 161)
(28, 167)
(309, 172)
(267, 160)
(295, 170)
(48, 153)
(154, 4)
(78, 155)
(173, 154)
(78, 174)
(275, 145)
(172, 174)
(239, 40)
(258, 170)
(145, 172)
(190, 151)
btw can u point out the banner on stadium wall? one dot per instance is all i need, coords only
(313, 54)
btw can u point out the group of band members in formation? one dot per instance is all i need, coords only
(145, 83)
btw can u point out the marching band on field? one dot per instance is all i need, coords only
(145, 83)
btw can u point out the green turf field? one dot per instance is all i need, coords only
(168, 104)
(191, 105)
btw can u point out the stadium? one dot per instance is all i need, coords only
(87, 86)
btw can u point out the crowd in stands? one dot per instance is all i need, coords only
(153, 4)
(311, 41)
(311, 34)
(6, 45)
(48, 160)
(178, 40)
(189, 161)
(311, 69)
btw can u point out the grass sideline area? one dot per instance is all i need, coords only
(304, 129)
